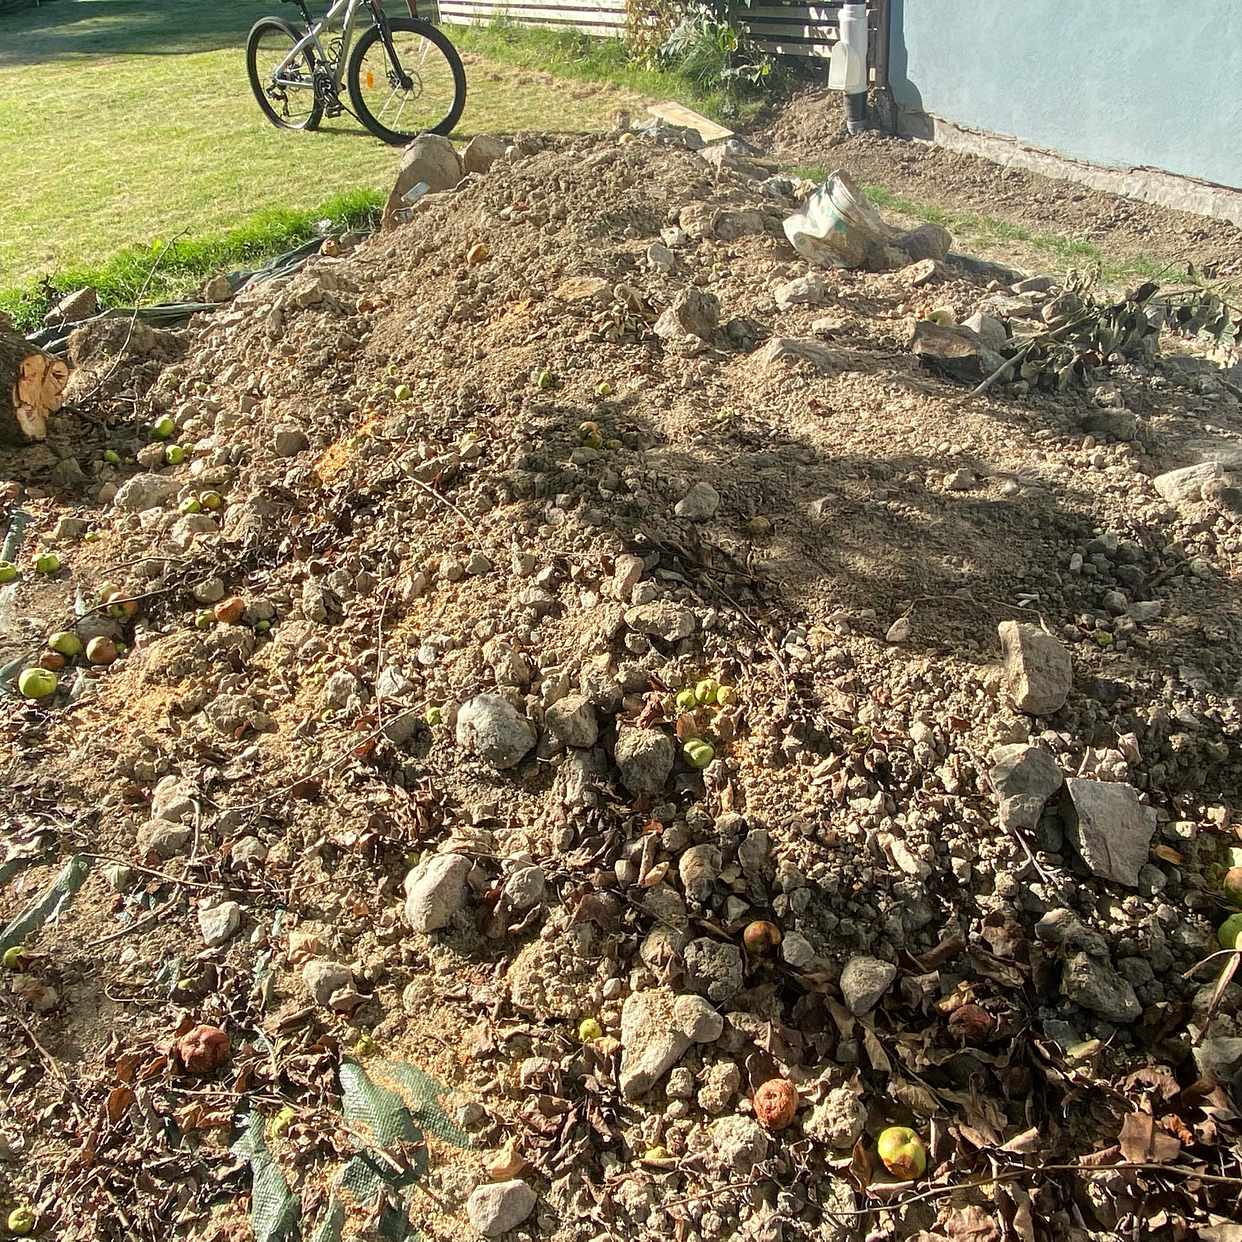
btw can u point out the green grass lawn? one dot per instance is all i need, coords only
(126, 121)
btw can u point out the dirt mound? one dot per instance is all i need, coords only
(579, 630)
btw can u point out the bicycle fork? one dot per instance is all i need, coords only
(381, 21)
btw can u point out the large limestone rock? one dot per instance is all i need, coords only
(1110, 828)
(1038, 670)
(428, 158)
(493, 729)
(435, 890)
(482, 151)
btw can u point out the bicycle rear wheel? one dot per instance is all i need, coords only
(288, 98)
(435, 97)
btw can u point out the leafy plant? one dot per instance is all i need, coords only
(705, 43)
(1207, 308)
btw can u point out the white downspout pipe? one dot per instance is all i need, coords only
(847, 70)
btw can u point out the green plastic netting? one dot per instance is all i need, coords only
(386, 1102)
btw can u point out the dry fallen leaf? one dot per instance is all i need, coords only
(971, 1224)
(1142, 1142)
(119, 1100)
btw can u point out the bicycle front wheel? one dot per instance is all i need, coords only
(424, 92)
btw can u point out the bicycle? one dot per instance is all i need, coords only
(397, 63)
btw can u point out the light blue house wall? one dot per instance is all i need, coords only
(1115, 82)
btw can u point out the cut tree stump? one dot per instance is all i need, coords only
(32, 387)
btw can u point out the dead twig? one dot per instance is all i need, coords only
(133, 319)
(431, 491)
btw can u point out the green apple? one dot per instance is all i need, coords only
(163, 427)
(1229, 931)
(902, 1152)
(174, 454)
(8, 572)
(46, 563)
(22, 1221)
(37, 683)
(1231, 885)
(705, 691)
(66, 642)
(698, 753)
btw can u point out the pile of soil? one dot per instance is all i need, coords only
(809, 129)
(571, 609)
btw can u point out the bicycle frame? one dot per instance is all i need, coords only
(349, 8)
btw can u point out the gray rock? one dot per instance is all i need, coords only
(73, 307)
(218, 922)
(247, 851)
(209, 591)
(1110, 828)
(70, 528)
(626, 574)
(324, 978)
(1220, 1059)
(739, 1143)
(699, 867)
(697, 1020)
(754, 853)
(481, 152)
(173, 799)
(661, 619)
(288, 440)
(525, 888)
(497, 1207)
(163, 838)
(571, 721)
(713, 969)
(1034, 284)
(1038, 670)
(340, 688)
(864, 981)
(660, 257)
(788, 349)
(1092, 983)
(652, 1040)
(693, 312)
(1186, 485)
(435, 890)
(990, 330)
(1061, 927)
(809, 290)
(700, 503)
(493, 729)
(186, 530)
(645, 759)
(1024, 778)
(797, 951)
(145, 491)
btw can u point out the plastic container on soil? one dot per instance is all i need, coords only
(837, 227)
